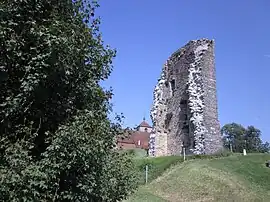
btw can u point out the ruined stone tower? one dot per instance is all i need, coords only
(184, 111)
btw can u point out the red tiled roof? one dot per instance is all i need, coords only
(135, 137)
(144, 124)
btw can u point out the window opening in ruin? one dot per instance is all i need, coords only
(183, 102)
(168, 119)
(186, 128)
(191, 128)
(172, 84)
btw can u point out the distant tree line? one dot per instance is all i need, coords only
(236, 138)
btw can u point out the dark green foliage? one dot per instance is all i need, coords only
(136, 153)
(252, 139)
(57, 143)
(265, 147)
(233, 134)
(130, 152)
(237, 138)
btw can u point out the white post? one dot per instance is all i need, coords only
(146, 174)
(244, 152)
(184, 152)
(231, 147)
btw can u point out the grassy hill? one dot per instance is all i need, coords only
(234, 178)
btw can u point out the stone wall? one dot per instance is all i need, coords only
(184, 111)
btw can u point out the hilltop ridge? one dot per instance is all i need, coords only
(234, 178)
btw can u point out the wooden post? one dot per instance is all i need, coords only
(231, 147)
(184, 152)
(146, 174)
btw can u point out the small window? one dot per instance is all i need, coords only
(172, 82)
(185, 128)
(183, 102)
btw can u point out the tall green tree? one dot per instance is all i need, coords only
(253, 139)
(234, 136)
(237, 137)
(57, 142)
(265, 147)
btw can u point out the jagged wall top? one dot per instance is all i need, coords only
(195, 71)
(174, 58)
(177, 54)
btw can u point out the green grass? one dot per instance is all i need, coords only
(156, 166)
(233, 178)
(140, 153)
(136, 153)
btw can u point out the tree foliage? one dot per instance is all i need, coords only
(237, 138)
(57, 143)
(233, 136)
(253, 139)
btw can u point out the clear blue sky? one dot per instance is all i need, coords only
(146, 32)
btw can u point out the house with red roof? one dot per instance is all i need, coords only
(138, 138)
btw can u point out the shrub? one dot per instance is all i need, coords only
(57, 142)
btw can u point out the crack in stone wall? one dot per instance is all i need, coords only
(184, 111)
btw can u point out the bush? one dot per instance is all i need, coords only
(130, 152)
(57, 142)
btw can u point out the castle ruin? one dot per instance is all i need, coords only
(184, 111)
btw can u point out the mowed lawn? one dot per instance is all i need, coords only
(234, 178)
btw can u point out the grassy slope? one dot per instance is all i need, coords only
(156, 166)
(235, 178)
